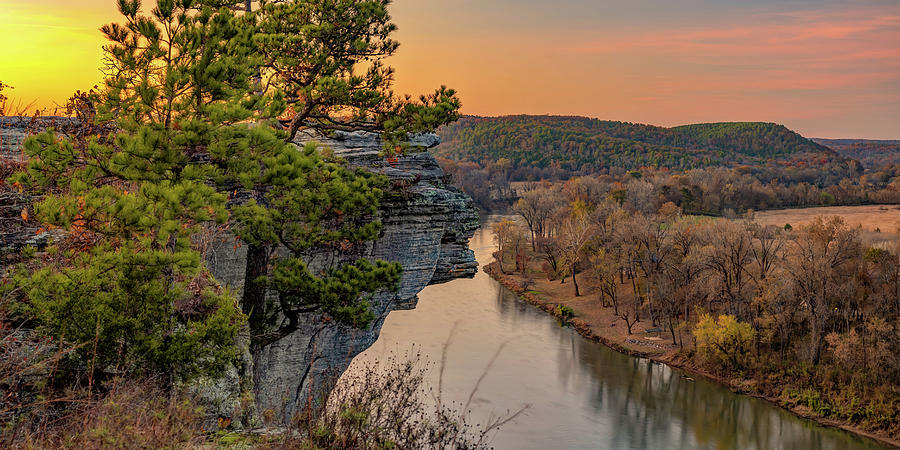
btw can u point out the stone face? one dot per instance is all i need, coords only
(426, 227)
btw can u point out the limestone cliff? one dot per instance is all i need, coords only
(427, 224)
(426, 227)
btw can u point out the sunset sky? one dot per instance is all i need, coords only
(824, 68)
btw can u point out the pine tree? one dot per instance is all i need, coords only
(312, 55)
(318, 211)
(328, 58)
(133, 190)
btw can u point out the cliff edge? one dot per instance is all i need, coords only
(426, 222)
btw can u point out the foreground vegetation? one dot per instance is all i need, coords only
(808, 316)
(377, 406)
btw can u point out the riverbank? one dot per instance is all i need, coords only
(597, 323)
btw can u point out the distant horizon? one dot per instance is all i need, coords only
(820, 67)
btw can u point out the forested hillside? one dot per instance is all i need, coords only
(584, 145)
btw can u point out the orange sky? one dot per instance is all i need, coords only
(826, 68)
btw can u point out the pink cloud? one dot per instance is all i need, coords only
(794, 52)
(848, 32)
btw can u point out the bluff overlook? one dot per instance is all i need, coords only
(426, 227)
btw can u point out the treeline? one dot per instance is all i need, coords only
(489, 187)
(582, 145)
(708, 191)
(721, 191)
(811, 315)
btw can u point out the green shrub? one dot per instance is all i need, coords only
(812, 399)
(564, 312)
(121, 307)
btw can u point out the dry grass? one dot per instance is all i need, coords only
(43, 405)
(880, 223)
(134, 414)
(885, 218)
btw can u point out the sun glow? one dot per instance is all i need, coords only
(48, 51)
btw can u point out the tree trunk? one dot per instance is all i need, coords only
(627, 323)
(817, 341)
(254, 300)
(637, 297)
(574, 281)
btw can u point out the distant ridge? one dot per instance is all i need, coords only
(580, 143)
(830, 142)
(871, 153)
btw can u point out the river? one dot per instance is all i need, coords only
(579, 394)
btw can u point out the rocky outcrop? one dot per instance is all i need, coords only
(15, 129)
(16, 231)
(426, 227)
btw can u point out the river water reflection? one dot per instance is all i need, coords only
(580, 394)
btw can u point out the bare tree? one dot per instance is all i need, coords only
(503, 232)
(727, 254)
(651, 250)
(779, 307)
(642, 196)
(606, 268)
(586, 189)
(537, 207)
(518, 242)
(549, 251)
(680, 285)
(630, 316)
(819, 262)
(766, 251)
(574, 233)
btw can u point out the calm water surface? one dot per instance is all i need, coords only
(580, 394)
